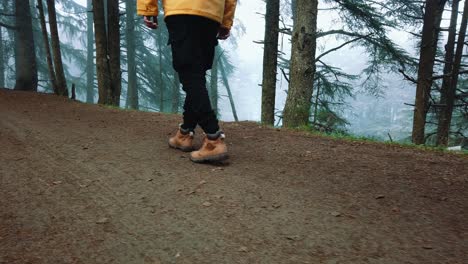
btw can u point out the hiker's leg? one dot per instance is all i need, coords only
(193, 40)
(197, 107)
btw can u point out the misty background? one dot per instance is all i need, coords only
(376, 114)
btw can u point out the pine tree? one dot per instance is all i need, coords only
(132, 88)
(176, 93)
(362, 24)
(161, 84)
(45, 37)
(25, 57)
(113, 45)
(107, 37)
(90, 53)
(7, 22)
(298, 102)
(448, 92)
(224, 74)
(270, 61)
(213, 91)
(60, 82)
(428, 48)
(2, 60)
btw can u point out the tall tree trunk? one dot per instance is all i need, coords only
(445, 116)
(214, 81)
(298, 102)
(270, 61)
(316, 103)
(107, 51)
(2, 60)
(60, 81)
(90, 54)
(293, 10)
(25, 56)
(228, 89)
(102, 61)
(113, 44)
(160, 72)
(448, 72)
(45, 37)
(430, 35)
(176, 93)
(132, 90)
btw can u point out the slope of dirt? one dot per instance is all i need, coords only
(88, 184)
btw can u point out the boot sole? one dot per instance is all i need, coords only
(184, 149)
(214, 158)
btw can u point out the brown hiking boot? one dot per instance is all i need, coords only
(183, 140)
(213, 149)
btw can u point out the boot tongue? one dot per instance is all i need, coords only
(215, 135)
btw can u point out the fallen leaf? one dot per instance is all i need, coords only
(293, 238)
(202, 182)
(380, 196)
(206, 204)
(102, 220)
(192, 192)
(336, 214)
(56, 182)
(243, 249)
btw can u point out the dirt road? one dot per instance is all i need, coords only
(87, 184)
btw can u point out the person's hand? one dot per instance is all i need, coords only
(223, 33)
(151, 21)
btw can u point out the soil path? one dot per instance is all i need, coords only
(87, 184)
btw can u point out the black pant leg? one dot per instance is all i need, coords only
(193, 40)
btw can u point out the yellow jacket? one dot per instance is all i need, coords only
(221, 11)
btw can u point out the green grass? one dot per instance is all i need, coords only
(353, 138)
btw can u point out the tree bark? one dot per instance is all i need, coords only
(430, 35)
(25, 56)
(270, 61)
(45, 37)
(293, 10)
(214, 82)
(298, 103)
(316, 103)
(60, 81)
(445, 116)
(107, 51)
(102, 61)
(160, 72)
(132, 89)
(176, 93)
(228, 89)
(2, 60)
(113, 44)
(90, 55)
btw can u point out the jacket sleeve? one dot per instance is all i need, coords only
(147, 7)
(229, 10)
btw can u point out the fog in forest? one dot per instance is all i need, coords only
(383, 111)
(368, 115)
